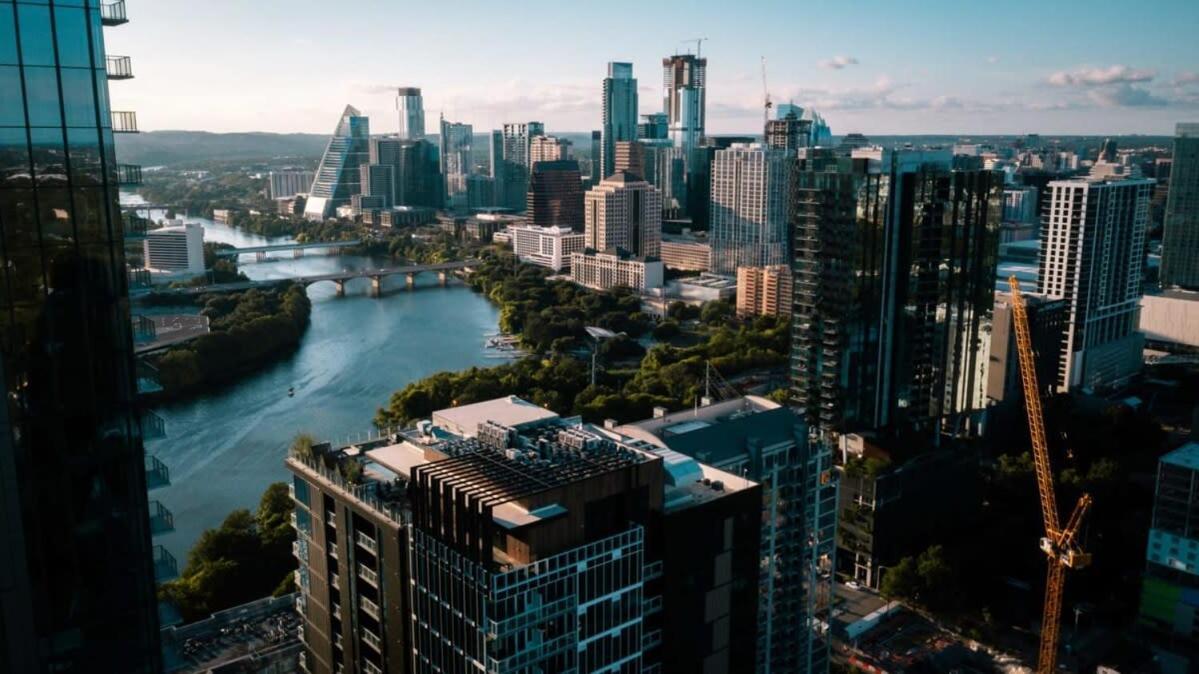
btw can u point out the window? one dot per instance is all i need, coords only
(12, 111)
(41, 87)
(37, 42)
(78, 101)
(70, 24)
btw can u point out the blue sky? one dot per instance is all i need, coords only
(882, 67)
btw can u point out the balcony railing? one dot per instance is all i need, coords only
(368, 574)
(157, 473)
(143, 328)
(135, 226)
(113, 13)
(124, 121)
(147, 378)
(161, 520)
(129, 174)
(370, 608)
(139, 278)
(153, 426)
(119, 67)
(372, 640)
(370, 667)
(367, 542)
(165, 566)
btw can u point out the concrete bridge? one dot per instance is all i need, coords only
(339, 279)
(334, 247)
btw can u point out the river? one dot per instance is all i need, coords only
(225, 447)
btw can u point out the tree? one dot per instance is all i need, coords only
(901, 581)
(302, 446)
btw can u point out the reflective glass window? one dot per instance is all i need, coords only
(83, 144)
(70, 25)
(8, 35)
(54, 211)
(18, 220)
(23, 269)
(41, 88)
(78, 101)
(48, 155)
(91, 221)
(14, 158)
(12, 105)
(102, 95)
(37, 42)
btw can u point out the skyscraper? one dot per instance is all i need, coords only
(1092, 255)
(894, 287)
(555, 196)
(630, 157)
(624, 212)
(337, 176)
(656, 126)
(596, 163)
(379, 180)
(515, 145)
(76, 569)
(665, 167)
(620, 112)
(412, 113)
(684, 78)
(788, 133)
(1180, 235)
(748, 214)
(456, 140)
(548, 148)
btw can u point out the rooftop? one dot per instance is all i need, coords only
(509, 411)
(1186, 456)
(718, 432)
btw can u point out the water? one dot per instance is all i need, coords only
(225, 447)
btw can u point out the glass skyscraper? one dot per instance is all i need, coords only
(76, 576)
(1180, 236)
(620, 112)
(338, 177)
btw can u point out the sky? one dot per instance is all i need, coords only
(870, 66)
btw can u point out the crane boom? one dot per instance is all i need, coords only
(1060, 545)
(766, 103)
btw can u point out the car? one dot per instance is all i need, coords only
(853, 585)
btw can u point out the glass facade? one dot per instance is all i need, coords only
(338, 177)
(76, 574)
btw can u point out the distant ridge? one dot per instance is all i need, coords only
(159, 148)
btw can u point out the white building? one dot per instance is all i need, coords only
(748, 214)
(1170, 320)
(1092, 255)
(548, 148)
(624, 212)
(177, 249)
(702, 288)
(545, 246)
(287, 184)
(411, 107)
(612, 269)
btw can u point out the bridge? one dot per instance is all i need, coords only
(339, 279)
(334, 247)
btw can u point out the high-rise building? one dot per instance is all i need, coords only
(378, 180)
(416, 177)
(894, 287)
(788, 132)
(686, 251)
(764, 291)
(1180, 235)
(595, 164)
(1170, 585)
(443, 548)
(748, 213)
(337, 176)
(287, 184)
(656, 126)
(77, 570)
(768, 444)
(684, 78)
(665, 167)
(412, 113)
(1093, 256)
(630, 158)
(624, 212)
(456, 141)
(620, 112)
(548, 148)
(176, 249)
(615, 268)
(555, 195)
(512, 170)
(545, 246)
(1047, 321)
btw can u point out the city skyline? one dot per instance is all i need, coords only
(893, 83)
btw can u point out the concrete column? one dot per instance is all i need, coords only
(260, 256)
(298, 252)
(411, 278)
(376, 286)
(442, 276)
(341, 288)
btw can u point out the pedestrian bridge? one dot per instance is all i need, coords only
(334, 247)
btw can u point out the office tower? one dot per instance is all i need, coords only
(624, 212)
(548, 148)
(665, 167)
(512, 177)
(175, 249)
(785, 110)
(764, 291)
(442, 548)
(768, 444)
(595, 164)
(287, 184)
(687, 251)
(894, 285)
(518, 138)
(412, 113)
(748, 213)
(1180, 234)
(630, 158)
(415, 172)
(480, 192)
(1047, 321)
(337, 176)
(684, 77)
(1092, 255)
(788, 133)
(545, 246)
(1170, 584)
(656, 126)
(378, 180)
(456, 141)
(556, 195)
(76, 567)
(620, 112)
(615, 268)
(495, 155)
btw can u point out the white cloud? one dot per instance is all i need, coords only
(1186, 78)
(1091, 77)
(992, 60)
(1125, 96)
(838, 62)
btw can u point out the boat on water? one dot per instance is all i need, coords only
(291, 392)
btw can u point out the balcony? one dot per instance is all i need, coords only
(119, 67)
(367, 542)
(165, 566)
(368, 575)
(370, 608)
(336, 611)
(143, 328)
(157, 473)
(113, 13)
(135, 226)
(161, 519)
(301, 605)
(124, 121)
(370, 667)
(372, 640)
(147, 378)
(153, 427)
(651, 640)
(129, 175)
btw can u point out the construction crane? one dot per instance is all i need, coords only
(1060, 544)
(766, 103)
(699, 43)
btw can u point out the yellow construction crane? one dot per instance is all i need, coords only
(1059, 544)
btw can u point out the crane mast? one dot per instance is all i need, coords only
(1060, 545)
